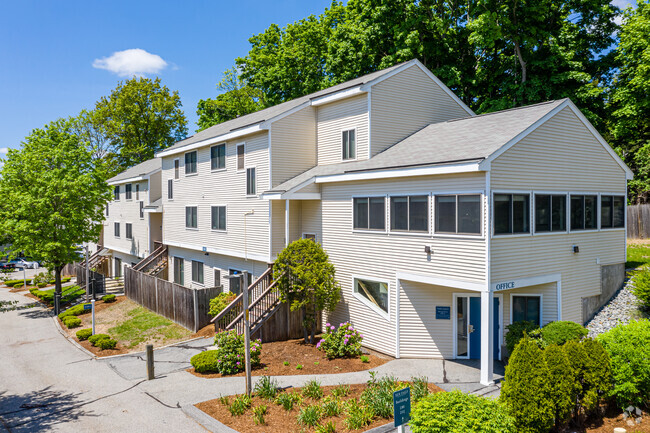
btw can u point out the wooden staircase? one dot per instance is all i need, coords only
(264, 303)
(96, 259)
(154, 263)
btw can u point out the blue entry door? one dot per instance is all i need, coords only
(475, 327)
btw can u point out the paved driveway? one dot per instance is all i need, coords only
(47, 384)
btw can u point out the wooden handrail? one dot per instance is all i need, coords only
(147, 260)
(239, 297)
(241, 315)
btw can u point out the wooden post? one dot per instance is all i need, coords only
(195, 295)
(150, 372)
(247, 333)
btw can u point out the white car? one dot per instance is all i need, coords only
(24, 264)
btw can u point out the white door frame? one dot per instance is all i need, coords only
(454, 324)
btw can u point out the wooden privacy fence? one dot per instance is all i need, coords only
(187, 307)
(638, 221)
(97, 280)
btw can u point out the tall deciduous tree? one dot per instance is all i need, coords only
(140, 118)
(306, 281)
(57, 196)
(237, 99)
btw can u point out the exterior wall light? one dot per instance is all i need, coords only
(576, 249)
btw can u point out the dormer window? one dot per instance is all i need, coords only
(349, 144)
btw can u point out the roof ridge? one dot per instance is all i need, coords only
(507, 110)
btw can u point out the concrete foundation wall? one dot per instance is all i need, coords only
(612, 278)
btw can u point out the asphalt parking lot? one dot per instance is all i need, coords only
(29, 273)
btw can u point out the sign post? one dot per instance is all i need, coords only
(92, 307)
(402, 408)
(247, 332)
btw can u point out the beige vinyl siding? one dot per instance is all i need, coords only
(220, 188)
(210, 263)
(560, 155)
(277, 227)
(379, 256)
(421, 334)
(304, 217)
(128, 211)
(156, 185)
(312, 218)
(336, 117)
(406, 103)
(127, 261)
(293, 145)
(549, 302)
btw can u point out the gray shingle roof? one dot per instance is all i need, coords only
(471, 138)
(144, 168)
(269, 113)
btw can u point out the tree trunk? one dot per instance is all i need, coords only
(304, 324)
(313, 325)
(57, 289)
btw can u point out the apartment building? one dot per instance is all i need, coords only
(444, 226)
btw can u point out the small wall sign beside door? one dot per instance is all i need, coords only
(443, 313)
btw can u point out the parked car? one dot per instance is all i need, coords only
(20, 264)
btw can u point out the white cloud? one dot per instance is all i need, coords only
(622, 4)
(4, 150)
(130, 62)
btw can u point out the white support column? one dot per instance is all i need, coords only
(487, 338)
(286, 222)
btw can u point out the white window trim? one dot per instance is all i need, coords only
(366, 302)
(176, 259)
(386, 213)
(256, 173)
(237, 169)
(454, 323)
(192, 276)
(196, 173)
(567, 216)
(173, 192)
(174, 169)
(427, 233)
(218, 230)
(356, 144)
(225, 158)
(125, 232)
(197, 217)
(541, 306)
(482, 198)
(531, 210)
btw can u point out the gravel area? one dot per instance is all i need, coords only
(619, 310)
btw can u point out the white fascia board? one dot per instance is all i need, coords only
(347, 93)
(129, 180)
(220, 251)
(440, 281)
(218, 139)
(123, 251)
(293, 193)
(516, 283)
(401, 172)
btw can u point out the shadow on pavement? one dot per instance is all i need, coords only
(36, 313)
(39, 410)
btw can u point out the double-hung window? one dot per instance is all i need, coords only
(170, 189)
(218, 157)
(191, 217)
(218, 218)
(250, 181)
(511, 213)
(584, 212)
(129, 230)
(349, 142)
(128, 189)
(459, 214)
(141, 210)
(409, 213)
(612, 211)
(550, 213)
(116, 229)
(179, 270)
(197, 272)
(116, 193)
(177, 169)
(106, 209)
(527, 308)
(137, 191)
(241, 156)
(190, 162)
(369, 213)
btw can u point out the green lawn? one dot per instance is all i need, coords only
(638, 254)
(142, 325)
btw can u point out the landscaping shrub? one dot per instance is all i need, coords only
(71, 322)
(309, 415)
(66, 279)
(341, 391)
(561, 332)
(106, 343)
(12, 283)
(258, 414)
(561, 384)
(43, 278)
(628, 347)
(94, 339)
(83, 334)
(19, 285)
(108, 298)
(77, 310)
(590, 365)
(419, 388)
(205, 362)
(266, 388)
(345, 341)
(329, 427)
(239, 405)
(230, 352)
(641, 287)
(455, 412)
(219, 302)
(358, 415)
(331, 406)
(41, 285)
(288, 399)
(516, 332)
(313, 390)
(378, 395)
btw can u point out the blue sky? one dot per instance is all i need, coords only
(60, 57)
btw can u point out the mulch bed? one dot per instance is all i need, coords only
(295, 352)
(612, 418)
(279, 420)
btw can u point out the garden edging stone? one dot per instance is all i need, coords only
(205, 420)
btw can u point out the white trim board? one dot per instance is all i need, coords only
(220, 251)
(526, 282)
(440, 281)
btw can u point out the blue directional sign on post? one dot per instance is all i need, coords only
(87, 306)
(402, 406)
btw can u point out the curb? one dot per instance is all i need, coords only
(383, 428)
(71, 340)
(157, 348)
(205, 420)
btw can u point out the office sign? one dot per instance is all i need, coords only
(505, 286)
(402, 406)
(443, 313)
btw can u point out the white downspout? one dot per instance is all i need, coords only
(286, 222)
(251, 212)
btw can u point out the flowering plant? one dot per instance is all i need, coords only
(230, 352)
(342, 342)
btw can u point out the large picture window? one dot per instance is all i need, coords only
(369, 213)
(179, 271)
(527, 308)
(218, 218)
(197, 272)
(584, 212)
(349, 141)
(550, 213)
(458, 214)
(374, 293)
(191, 217)
(409, 213)
(190, 162)
(218, 157)
(612, 211)
(511, 213)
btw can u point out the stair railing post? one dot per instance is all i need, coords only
(247, 333)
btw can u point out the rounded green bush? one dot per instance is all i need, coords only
(72, 322)
(83, 334)
(106, 343)
(206, 362)
(94, 339)
(641, 287)
(456, 412)
(41, 285)
(219, 302)
(66, 279)
(516, 333)
(562, 331)
(18, 285)
(108, 298)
